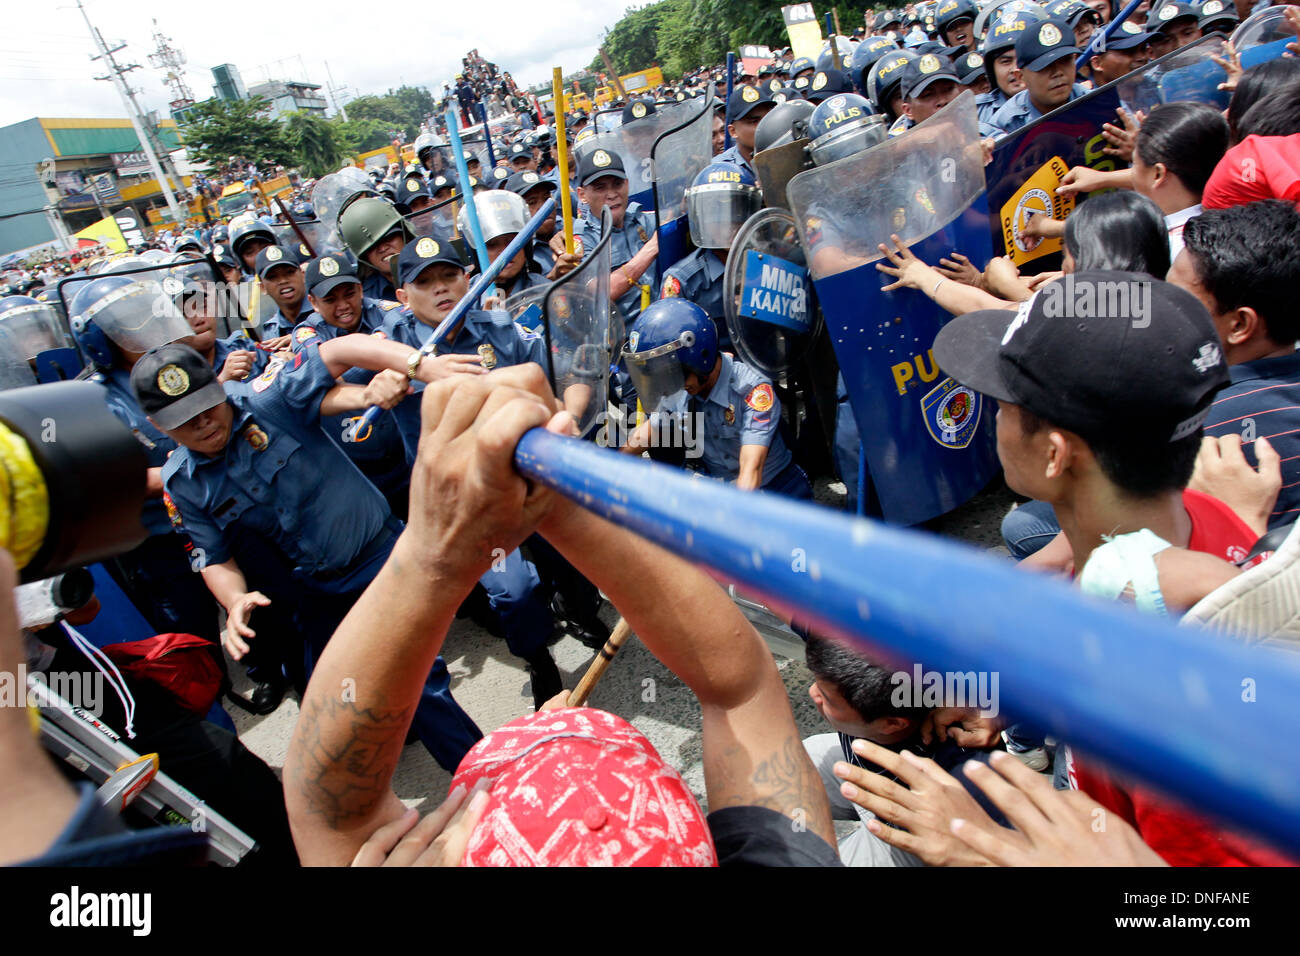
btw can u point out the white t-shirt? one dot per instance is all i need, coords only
(1174, 222)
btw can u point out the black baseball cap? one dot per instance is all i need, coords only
(827, 83)
(174, 384)
(520, 150)
(443, 181)
(638, 109)
(1163, 14)
(423, 252)
(524, 182)
(1217, 11)
(600, 162)
(1097, 352)
(745, 98)
(1042, 44)
(273, 256)
(1126, 36)
(969, 67)
(925, 71)
(408, 187)
(327, 272)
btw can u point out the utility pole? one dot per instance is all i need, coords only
(338, 107)
(132, 111)
(168, 58)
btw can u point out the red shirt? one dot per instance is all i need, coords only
(1180, 836)
(1259, 167)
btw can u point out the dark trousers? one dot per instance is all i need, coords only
(171, 596)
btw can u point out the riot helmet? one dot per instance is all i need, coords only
(132, 312)
(719, 201)
(841, 126)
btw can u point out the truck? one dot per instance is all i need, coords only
(642, 82)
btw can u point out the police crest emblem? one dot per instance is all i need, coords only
(173, 380)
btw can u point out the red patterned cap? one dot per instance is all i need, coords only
(581, 787)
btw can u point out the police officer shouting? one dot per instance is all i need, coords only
(375, 232)
(278, 271)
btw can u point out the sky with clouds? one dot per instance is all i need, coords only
(46, 70)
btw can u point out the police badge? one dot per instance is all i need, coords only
(487, 356)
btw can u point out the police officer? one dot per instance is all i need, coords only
(929, 84)
(1046, 54)
(999, 49)
(1173, 25)
(433, 280)
(430, 153)
(521, 158)
(722, 197)
(339, 308)
(885, 83)
(375, 233)
(970, 73)
(248, 237)
(115, 319)
(602, 184)
(954, 20)
(234, 357)
(746, 107)
(1126, 50)
(825, 84)
(502, 215)
(256, 458)
(535, 190)
(673, 356)
(278, 271)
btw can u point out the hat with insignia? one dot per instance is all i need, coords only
(827, 83)
(174, 384)
(1099, 353)
(1128, 36)
(597, 163)
(273, 256)
(925, 71)
(519, 151)
(329, 271)
(969, 67)
(524, 182)
(423, 252)
(442, 181)
(1164, 14)
(1219, 12)
(746, 98)
(1042, 44)
(638, 109)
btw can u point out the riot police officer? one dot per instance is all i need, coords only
(746, 107)
(248, 237)
(999, 49)
(930, 83)
(1046, 54)
(535, 190)
(730, 409)
(502, 215)
(602, 184)
(954, 20)
(278, 271)
(375, 232)
(722, 197)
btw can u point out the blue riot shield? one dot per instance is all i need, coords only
(929, 442)
(1262, 36)
(676, 158)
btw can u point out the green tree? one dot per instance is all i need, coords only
(314, 143)
(633, 42)
(218, 129)
(360, 135)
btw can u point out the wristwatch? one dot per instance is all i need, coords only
(413, 363)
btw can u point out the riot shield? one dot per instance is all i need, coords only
(676, 159)
(313, 230)
(39, 333)
(15, 369)
(583, 334)
(1262, 36)
(929, 442)
(771, 312)
(776, 166)
(607, 121)
(527, 308)
(328, 197)
(635, 141)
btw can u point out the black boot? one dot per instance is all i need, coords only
(583, 626)
(544, 676)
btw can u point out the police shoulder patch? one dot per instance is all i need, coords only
(671, 288)
(263, 381)
(389, 306)
(760, 398)
(173, 513)
(303, 333)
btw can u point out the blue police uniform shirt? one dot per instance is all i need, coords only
(987, 104)
(638, 227)
(511, 344)
(733, 155)
(542, 256)
(381, 455)
(378, 286)
(1018, 111)
(281, 324)
(239, 342)
(157, 446)
(741, 409)
(698, 278)
(904, 123)
(282, 477)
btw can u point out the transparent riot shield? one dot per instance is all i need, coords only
(1263, 36)
(677, 157)
(40, 333)
(328, 197)
(635, 141)
(769, 303)
(313, 230)
(776, 166)
(583, 335)
(138, 308)
(606, 121)
(528, 308)
(929, 441)
(15, 369)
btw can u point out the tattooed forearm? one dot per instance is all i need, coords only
(343, 758)
(785, 781)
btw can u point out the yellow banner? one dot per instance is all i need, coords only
(105, 231)
(804, 30)
(1037, 197)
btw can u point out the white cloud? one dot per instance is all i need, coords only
(45, 68)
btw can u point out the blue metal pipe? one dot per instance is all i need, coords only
(471, 210)
(1105, 33)
(476, 289)
(487, 134)
(1163, 704)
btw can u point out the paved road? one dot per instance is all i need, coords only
(491, 684)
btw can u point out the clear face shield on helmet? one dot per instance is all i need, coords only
(15, 372)
(138, 316)
(35, 328)
(848, 139)
(657, 374)
(716, 211)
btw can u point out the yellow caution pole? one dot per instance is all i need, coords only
(562, 147)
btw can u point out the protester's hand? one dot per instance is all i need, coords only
(468, 503)
(276, 344)
(1002, 278)
(960, 269)
(1080, 179)
(1053, 827)
(1042, 226)
(910, 271)
(924, 804)
(564, 264)
(237, 630)
(437, 840)
(558, 702)
(237, 366)
(1292, 15)
(1231, 65)
(963, 726)
(1223, 472)
(441, 367)
(1037, 282)
(495, 301)
(387, 389)
(1121, 139)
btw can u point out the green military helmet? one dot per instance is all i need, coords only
(367, 220)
